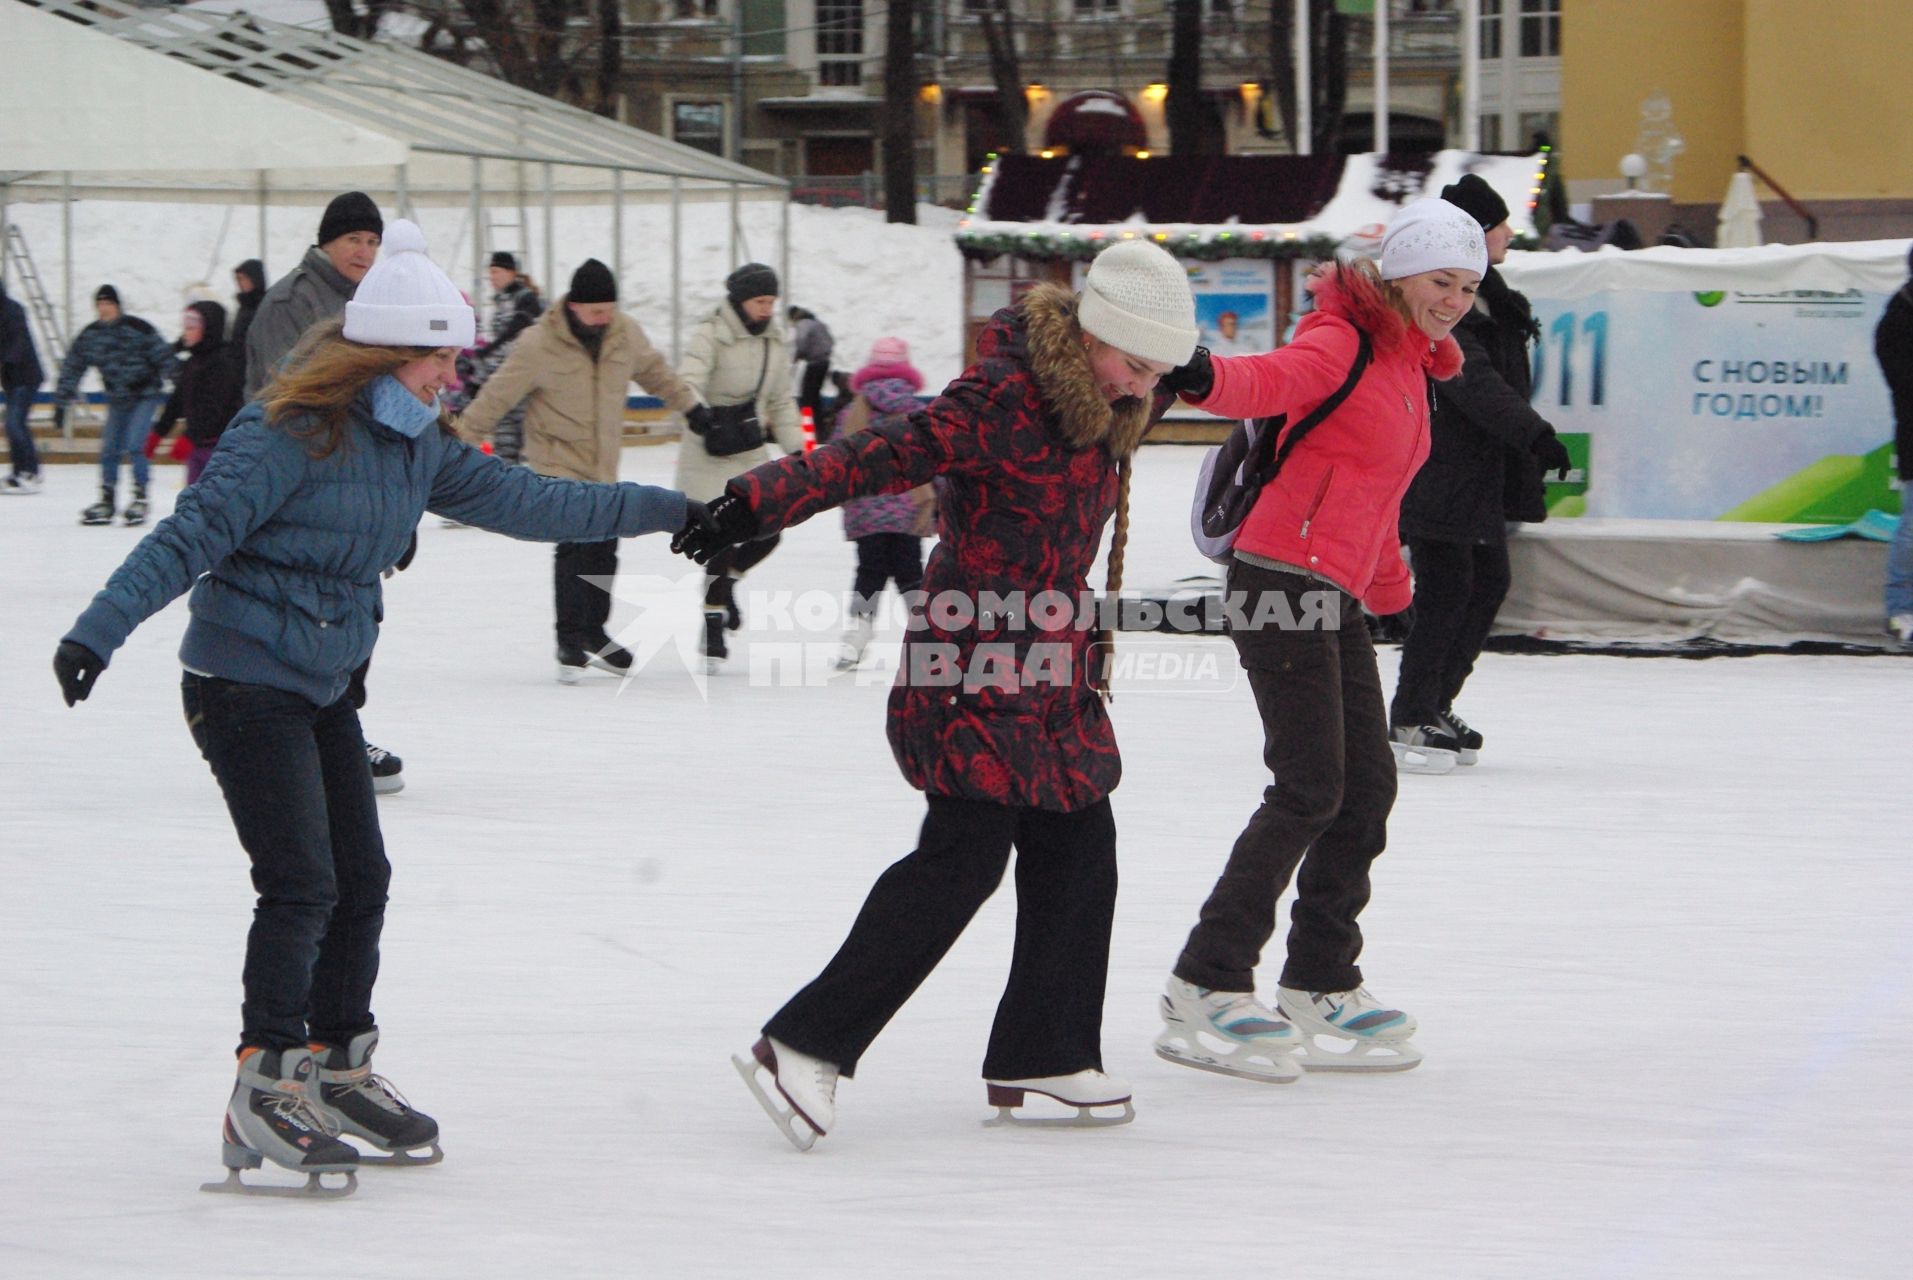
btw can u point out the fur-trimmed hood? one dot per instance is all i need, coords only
(1356, 296)
(1052, 350)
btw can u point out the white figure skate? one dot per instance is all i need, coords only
(1348, 1031)
(1228, 1032)
(802, 1097)
(1089, 1091)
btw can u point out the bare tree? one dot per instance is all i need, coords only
(359, 19)
(1194, 126)
(1328, 69)
(900, 113)
(1012, 108)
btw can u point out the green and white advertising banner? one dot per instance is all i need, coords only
(1717, 384)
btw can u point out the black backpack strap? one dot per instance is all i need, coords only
(1327, 406)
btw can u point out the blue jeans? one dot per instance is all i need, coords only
(26, 461)
(299, 791)
(127, 422)
(1899, 560)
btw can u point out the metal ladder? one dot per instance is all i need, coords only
(52, 336)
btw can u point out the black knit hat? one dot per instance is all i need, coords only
(593, 282)
(752, 280)
(505, 260)
(255, 271)
(1474, 197)
(107, 293)
(353, 211)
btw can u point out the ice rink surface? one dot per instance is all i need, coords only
(1658, 941)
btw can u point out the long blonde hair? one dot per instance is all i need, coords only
(324, 375)
(1391, 292)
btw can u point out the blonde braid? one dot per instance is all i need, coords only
(1103, 652)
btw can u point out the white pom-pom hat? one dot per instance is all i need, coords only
(405, 300)
(1136, 298)
(1430, 235)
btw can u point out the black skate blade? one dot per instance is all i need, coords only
(401, 1159)
(1220, 1067)
(314, 1188)
(794, 1127)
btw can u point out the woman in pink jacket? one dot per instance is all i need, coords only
(1320, 543)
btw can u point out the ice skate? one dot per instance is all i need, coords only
(1348, 1031)
(856, 640)
(802, 1098)
(1900, 627)
(1228, 1032)
(25, 484)
(1467, 740)
(102, 511)
(714, 649)
(1090, 1091)
(1423, 748)
(272, 1117)
(388, 771)
(610, 656)
(135, 513)
(366, 1106)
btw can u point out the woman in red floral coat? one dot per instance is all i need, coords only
(1319, 544)
(996, 714)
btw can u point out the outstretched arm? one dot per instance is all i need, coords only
(475, 489)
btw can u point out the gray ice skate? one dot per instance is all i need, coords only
(271, 1118)
(366, 1106)
(1227, 1032)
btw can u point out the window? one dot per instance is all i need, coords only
(699, 124)
(1491, 133)
(1097, 8)
(1491, 28)
(1540, 28)
(840, 42)
(1538, 127)
(689, 9)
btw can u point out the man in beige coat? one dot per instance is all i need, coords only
(571, 369)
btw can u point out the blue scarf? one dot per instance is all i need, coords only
(398, 408)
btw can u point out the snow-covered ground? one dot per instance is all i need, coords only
(1659, 942)
(866, 278)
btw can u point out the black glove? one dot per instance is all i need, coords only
(697, 419)
(709, 530)
(59, 416)
(1194, 380)
(1552, 455)
(77, 667)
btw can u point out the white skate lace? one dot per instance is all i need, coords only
(377, 755)
(381, 1091)
(298, 1109)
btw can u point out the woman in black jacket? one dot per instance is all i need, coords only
(1487, 445)
(210, 388)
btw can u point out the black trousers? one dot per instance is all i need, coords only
(731, 563)
(1325, 741)
(299, 791)
(881, 558)
(1049, 1021)
(583, 607)
(810, 393)
(1458, 590)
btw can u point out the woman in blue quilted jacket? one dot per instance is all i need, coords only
(311, 493)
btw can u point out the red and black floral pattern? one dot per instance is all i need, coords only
(994, 704)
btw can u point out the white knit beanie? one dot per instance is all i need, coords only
(1136, 298)
(405, 300)
(1429, 235)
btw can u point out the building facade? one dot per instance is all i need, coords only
(795, 86)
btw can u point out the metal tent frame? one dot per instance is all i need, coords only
(467, 136)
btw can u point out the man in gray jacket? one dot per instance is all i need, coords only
(317, 289)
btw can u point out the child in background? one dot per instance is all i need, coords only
(888, 529)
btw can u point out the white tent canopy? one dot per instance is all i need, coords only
(456, 126)
(179, 105)
(135, 103)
